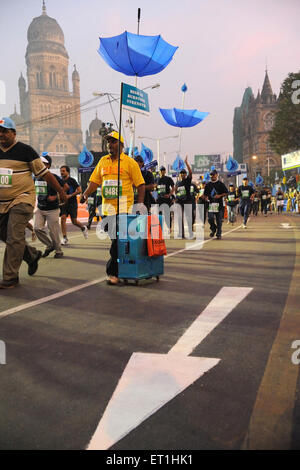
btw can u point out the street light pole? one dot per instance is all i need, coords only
(158, 143)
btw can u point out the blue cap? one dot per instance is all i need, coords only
(7, 123)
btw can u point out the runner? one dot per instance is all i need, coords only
(94, 204)
(214, 192)
(264, 200)
(71, 207)
(279, 200)
(255, 206)
(47, 212)
(165, 188)
(232, 202)
(194, 193)
(202, 203)
(184, 200)
(245, 194)
(106, 174)
(149, 184)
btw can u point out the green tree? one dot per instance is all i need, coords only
(285, 135)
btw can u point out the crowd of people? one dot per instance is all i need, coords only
(27, 186)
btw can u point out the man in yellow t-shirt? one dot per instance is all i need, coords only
(106, 175)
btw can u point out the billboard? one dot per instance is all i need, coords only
(203, 163)
(290, 160)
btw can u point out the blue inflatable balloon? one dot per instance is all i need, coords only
(184, 88)
(147, 154)
(232, 164)
(259, 179)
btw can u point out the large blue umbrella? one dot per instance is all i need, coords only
(134, 54)
(182, 117)
(147, 154)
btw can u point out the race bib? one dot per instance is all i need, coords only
(41, 188)
(201, 192)
(231, 197)
(110, 189)
(192, 189)
(5, 178)
(245, 193)
(98, 193)
(264, 197)
(256, 199)
(90, 200)
(181, 191)
(161, 189)
(213, 207)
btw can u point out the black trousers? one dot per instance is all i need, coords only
(109, 225)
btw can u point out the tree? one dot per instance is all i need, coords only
(285, 135)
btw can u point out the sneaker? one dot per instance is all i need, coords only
(32, 267)
(85, 232)
(64, 241)
(47, 252)
(58, 254)
(244, 226)
(9, 284)
(212, 234)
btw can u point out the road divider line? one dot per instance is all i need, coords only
(42, 300)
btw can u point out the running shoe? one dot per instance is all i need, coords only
(244, 226)
(85, 232)
(58, 254)
(47, 252)
(64, 241)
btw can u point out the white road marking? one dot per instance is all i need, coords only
(149, 381)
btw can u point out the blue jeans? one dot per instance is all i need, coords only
(231, 213)
(245, 206)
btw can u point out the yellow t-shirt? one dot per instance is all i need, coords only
(106, 174)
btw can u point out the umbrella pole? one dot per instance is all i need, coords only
(135, 84)
(118, 187)
(180, 132)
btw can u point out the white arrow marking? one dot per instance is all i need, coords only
(149, 381)
(285, 225)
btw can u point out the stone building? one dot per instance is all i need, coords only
(253, 121)
(49, 118)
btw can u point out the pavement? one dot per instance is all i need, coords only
(207, 358)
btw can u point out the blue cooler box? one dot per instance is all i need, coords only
(133, 260)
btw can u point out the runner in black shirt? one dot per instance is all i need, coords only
(214, 192)
(245, 194)
(71, 207)
(184, 199)
(202, 203)
(264, 200)
(149, 184)
(165, 188)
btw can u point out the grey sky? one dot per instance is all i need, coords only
(223, 48)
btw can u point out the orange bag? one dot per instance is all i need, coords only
(155, 242)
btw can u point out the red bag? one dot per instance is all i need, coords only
(155, 242)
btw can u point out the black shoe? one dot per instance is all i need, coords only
(32, 267)
(47, 252)
(58, 254)
(219, 237)
(9, 284)
(212, 234)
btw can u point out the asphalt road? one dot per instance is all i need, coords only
(65, 354)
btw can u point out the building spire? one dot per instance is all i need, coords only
(44, 12)
(267, 89)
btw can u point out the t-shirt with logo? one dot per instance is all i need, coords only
(17, 164)
(73, 185)
(212, 189)
(193, 191)
(245, 192)
(44, 191)
(164, 185)
(183, 190)
(231, 196)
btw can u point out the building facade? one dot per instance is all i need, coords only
(253, 121)
(49, 118)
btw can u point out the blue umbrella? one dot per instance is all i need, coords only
(206, 177)
(178, 164)
(259, 179)
(232, 164)
(147, 154)
(134, 54)
(85, 158)
(182, 117)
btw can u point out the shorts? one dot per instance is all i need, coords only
(69, 209)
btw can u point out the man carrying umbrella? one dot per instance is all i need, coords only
(106, 174)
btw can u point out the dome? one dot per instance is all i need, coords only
(95, 125)
(45, 34)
